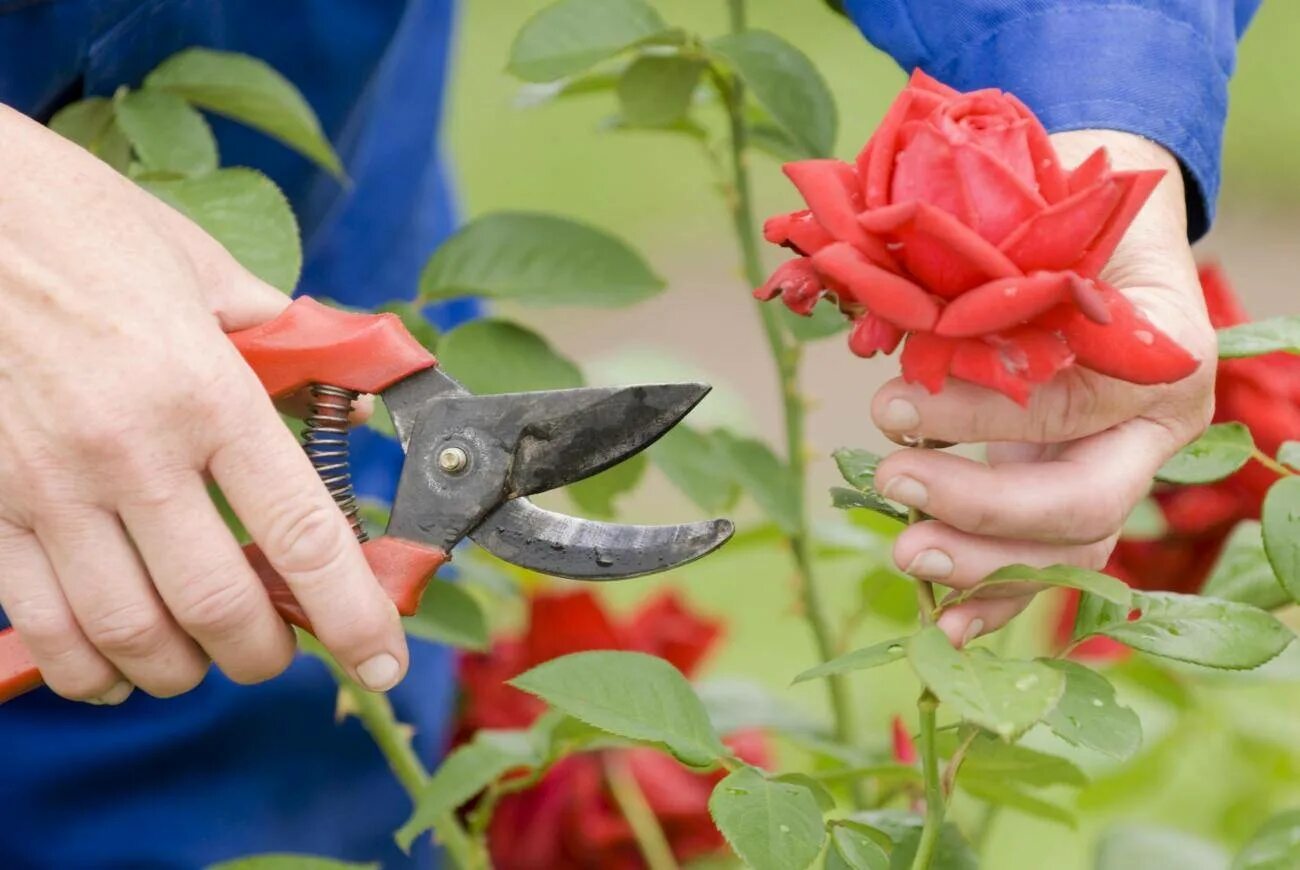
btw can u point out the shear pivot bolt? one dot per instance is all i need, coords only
(452, 460)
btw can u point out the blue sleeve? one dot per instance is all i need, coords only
(1158, 68)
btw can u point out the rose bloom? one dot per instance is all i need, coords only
(958, 229)
(1264, 393)
(569, 820)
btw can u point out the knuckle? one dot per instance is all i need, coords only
(49, 630)
(307, 538)
(217, 601)
(264, 667)
(130, 631)
(78, 683)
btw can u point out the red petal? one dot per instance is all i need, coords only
(944, 255)
(831, 189)
(876, 160)
(1089, 299)
(872, 334)
(1058, 237)
(926, 171)
(926, 358)
(664, 627)
(1033, 353)
(982, 364)
(1129, 348)
(569, 622)
(1225, 308)
(904, 748)
(890, 296)
(1090, 171)
(1001, 201)
(922, 81)
(1052, 183)
(798, 283)
(1137, 186)
(798, 231)
(1002, 304)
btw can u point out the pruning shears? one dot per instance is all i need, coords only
(471, 461)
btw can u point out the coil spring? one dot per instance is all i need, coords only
(325, 441)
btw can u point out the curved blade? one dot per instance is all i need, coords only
(523, 534)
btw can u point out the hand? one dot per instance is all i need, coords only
(1063, 473)
(121, 392)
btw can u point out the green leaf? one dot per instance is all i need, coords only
(1067, 576)
(736, 704)
(596, 494)
(496, 356)
(853, 850)
(539, 259)
(1132, 848)
(1004, 794)
(656, 90)
(244, 211)
(1219, 452)
(1146, 522)
(888, 595)
(883, 653)
(770, 825)
(1089, 715)
(844, 498)
(1276, 846)
(1281, 528)
(168, 135)
(1289, 454)
(1243, 573)
(762, 476)
(824, 322)
(774, 141)
(857, 467)
(632, 695)
(988, 758)
(569, 36)
(904, 830)
(1007, 697)
(539, 93)
(285, 861)
(697, 465)
(785, 83)
(1260, 337)
(464, 773)
(249, 91)
(448, 614)
(1190, 628)
(92, 124)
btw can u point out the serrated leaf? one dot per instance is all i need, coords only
(1275, 846)
(497, 356)
(844, 498)
(249, 91)
(1088, 713)
(1189, 628)
(1260, 337)
(538, 259)
(1281, 529)
(1004, 696)
(1133, 848)
(1289, 454)
(883, 653)
(448, 614)
(904, 830)
(771, 825)
(569, 36)
(596, 495)
(244, 211)
(786, 83)
(468, 770)
(632, 695)
(656, 90)
(762, 476)
(1243, 573)
(168, 135)
(1064, 576)
(1220, 451)
(857, 466)
(853, 850)
(92, 124)
(286, 861)
(698, 466)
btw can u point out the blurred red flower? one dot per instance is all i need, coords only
(569, 820)
(1262, 392)
(958, 228)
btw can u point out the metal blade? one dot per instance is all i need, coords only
(550, 543)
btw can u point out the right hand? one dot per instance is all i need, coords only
(121, 391)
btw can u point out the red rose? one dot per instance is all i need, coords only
(1262, 392)
(958, 227)
(904, 750)
(569, 820)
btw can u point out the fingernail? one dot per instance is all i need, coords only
(974, 630)
(906, 490)
(116, 695)
(379, 674)
(930, 565)
(900, 415)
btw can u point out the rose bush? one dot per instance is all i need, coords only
(959, 229)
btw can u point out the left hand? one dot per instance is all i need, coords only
(1063, 473)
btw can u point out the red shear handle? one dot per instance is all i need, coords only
(312, 343)
(402, 567)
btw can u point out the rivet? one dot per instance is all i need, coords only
(453, 460)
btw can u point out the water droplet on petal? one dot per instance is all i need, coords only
(1144, 336)
(1027, 682)
(1097, 702)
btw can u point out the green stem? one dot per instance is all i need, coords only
(786, 354)
(650, 839)
(1271, 464)
(934, 798)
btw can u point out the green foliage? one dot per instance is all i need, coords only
(904, 830)
(538, 259)
(1135, 848)
(497, 356)
(883, 653)
(851, 849)
(772, 825)
(1281, 528)
(572, 35)
(1102, 586)
(761, 476)
(696, 462)
(1089, 715)
(597, 494)
(1289, 454)
(1260, 337)
(1243, 573)
(1275, 846)
(656, 90)
(858, 468)
(168, 135)
(449, 614)
(1221, 450)
(92, 124)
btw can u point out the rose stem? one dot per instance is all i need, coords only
(650, 839)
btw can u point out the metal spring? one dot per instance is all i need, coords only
(326, 442)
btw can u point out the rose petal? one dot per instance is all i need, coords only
(904, 748)
(1129, 348)
(1034, 353)
(1136, 186)
(982, 364)
(1058, 237)
(1052, 183)
(927, 172)
(1002, 304)
(1001, 201)
(1090, 171)
(799, 231)
(872, 334)
(1089, 299)
(886, 294)
(876, 161)
(922, 81)
(831, 189)
(568, 622)
(1225, 308)
(798, 283)
(926, 359)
